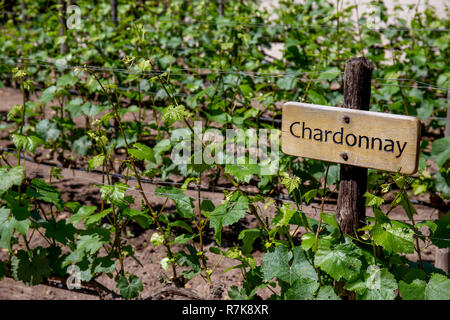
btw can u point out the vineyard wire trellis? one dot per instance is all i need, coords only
(161, 194)
(286, 26)
(244, 73)
(152, 182)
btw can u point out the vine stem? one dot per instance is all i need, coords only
(138, 178)
(321, 207)
(419, 254)
(117, 116)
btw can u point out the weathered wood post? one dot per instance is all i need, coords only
(442, 257)
(221, 7)
(62, 24)
(113, 11)
(351, 209)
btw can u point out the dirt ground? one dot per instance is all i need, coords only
(78, 186)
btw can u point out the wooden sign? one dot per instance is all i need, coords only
(355, 137)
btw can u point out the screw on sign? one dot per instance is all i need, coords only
(354, 137)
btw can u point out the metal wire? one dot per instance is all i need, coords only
(278, 25)
(39, 173)
(293, 75)
(162, 194)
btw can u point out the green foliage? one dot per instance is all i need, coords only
(377, 284)
(28, 143)
(230, 211)
(30, 270)
(129, 287)
(142, 152)
(215, 69)
(441, 151)
(341, 261)
(394, 236)
(288, 266)
(174, 114)
(11, 177)
(438, 288)
(185, 205)
(47, 130)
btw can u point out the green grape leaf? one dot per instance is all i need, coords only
(329, 74)
(309, 195)
(288, 266)
(442, 181)
(317, 98)
(243, 172)
(207, 205)
(91, 110)
(284, 216)
(302, 289)
(66, 80)
(47, 130)
(308, 241)
(8, 178)
(103, 265)
(157, 239)
(96, 161)
(115, 194)
(90, 243)
(3, 270)
(183, 238)
(184, 204)
(229, 212)
(30, 271)
(248, 237)
(82, 213)
(48, 94)
(441, 236)
(74, 107)
(341, 261)
(438, 288)
(378, 284)
(16, 110)
(60, 230)
(142, 152)
(144, 220)
(82, 145)
(290, 183)
(412, 291)
(393, 236)
(9, 224)
(28, 143)
(372, 200)
(235, 294)
(46, 192)
(6, 229)
(173, 114)
(327, 293)
(441, 150)
(287, 82)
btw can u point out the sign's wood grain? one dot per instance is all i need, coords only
(354, 137)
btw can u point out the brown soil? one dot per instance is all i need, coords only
(78, 186)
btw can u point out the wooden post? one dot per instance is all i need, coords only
(62, 24)
(442, 257)
(351, 209)
(24, 9)
(221, 7)
(113, 11)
